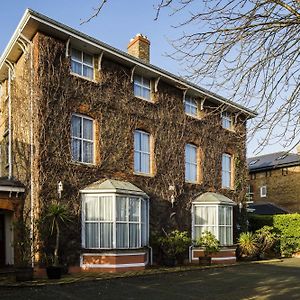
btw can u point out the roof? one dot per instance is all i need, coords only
(11, 185)
(267, 208)
(33, 21)
(114, 186)
(273, 161)
(213, 198)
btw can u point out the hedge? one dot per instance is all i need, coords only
(288, 227)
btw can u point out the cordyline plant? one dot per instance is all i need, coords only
(57, 213)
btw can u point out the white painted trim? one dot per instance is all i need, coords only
(218, 258)
(114, 254)
(12, 189)
(118, 266)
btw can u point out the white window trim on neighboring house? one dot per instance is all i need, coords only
(263, 191)
(142, 239)
(82, 140)
(226, 172)
(189, 163)
(82, 63)
(227, 122)
(143, 86)
(142, 153)
(225, 240)
(190, 104)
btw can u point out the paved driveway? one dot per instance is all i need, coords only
(276, 280)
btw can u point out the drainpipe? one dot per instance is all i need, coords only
(9, 123)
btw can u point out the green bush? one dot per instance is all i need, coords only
(287, 226)
(247, 245)
(209, 242)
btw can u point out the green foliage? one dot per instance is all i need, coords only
(289, 228)
(258, 221)
(175, 244)
(247, 244)
(266, 238)
(209, 242)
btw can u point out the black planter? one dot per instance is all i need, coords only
(54, 272)
(204, 261)
(24, 274)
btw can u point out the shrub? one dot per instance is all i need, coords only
(175, 244)
(247, 244)
(209, 242)
(266, 238)
(258, 221)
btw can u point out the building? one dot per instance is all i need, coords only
(131, 147)
(274, 180)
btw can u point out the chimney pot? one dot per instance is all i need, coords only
(139, 46)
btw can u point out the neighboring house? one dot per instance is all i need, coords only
(136, 149)
(275, 179)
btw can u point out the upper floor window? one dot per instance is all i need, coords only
(191, 166)
(263, 191)
(142, 87)
(82, 64)
(226, 171)
(190, 106)
(82, 135)
(227, 120)
(141, 152)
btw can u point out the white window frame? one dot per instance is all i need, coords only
(140, 153)
(217, 226)
(143, 236)
(227, 172)
(82, 63)
(189, 104)
(263, 191)
(83, 139)
(142, 86)
(191, 163)
(227, 119)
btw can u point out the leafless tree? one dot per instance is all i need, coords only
(248, 49)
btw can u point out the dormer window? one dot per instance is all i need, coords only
(142, 87)
(82, 64)
(227, 120)
(190, 106)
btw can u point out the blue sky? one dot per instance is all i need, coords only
(116, 25)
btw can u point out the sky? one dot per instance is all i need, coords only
(118, 22)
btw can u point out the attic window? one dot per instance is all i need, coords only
(253, 162)
(82, 64)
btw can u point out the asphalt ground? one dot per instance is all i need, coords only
(272, 280)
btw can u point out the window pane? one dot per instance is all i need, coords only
(76, 126)
(87, 129)
(87, 152)
(76, 54)
(105, 208)
(146, 82)
(88, 72)
(76, 67)
(91, 209)
(144, 221)
(76, 149)
(106, 235)
(91, 235)
(122, 235)
(134, 235)
(134, 209)
(88, 59)
(138, 79)
(146, 93)
(122, 208)
(145, 142)
(137, 91)
(137, 162)
(145, 163)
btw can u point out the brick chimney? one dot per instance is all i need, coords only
(139, 47)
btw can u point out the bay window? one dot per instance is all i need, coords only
(114, 221)
(214, 216)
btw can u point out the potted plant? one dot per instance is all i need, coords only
(210, 245)
(57, 213)
(174, 246)
(23, 266)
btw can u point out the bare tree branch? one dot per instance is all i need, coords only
(96, 12)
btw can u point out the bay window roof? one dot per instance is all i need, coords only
(114, 186)
(213, 198)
